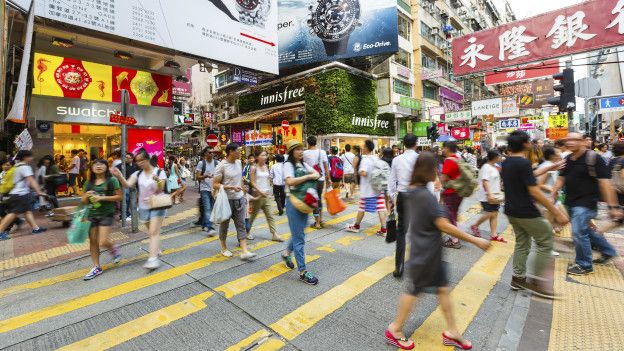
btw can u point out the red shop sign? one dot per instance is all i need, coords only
(590, 25)
(460, 133)
(545, 69)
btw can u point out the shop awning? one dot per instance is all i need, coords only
(266, 114)
(189, 133)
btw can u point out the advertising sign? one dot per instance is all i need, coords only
(423, 141)
(556, 133)
(409, 102)
(526, 126)
(294, 131)
(258, 138)
(420, 128)
(458, 116)
(460, 133)
(487, 107)
(327, 30)
(152, 140)
(76, 79)
(272, 97)
(237, 30)
(510, 107)
(245, 76)
(590, 25)
(451, 100)
(611, 104)
(530, 94)
(427, 74)
(525, 72)
(436, 111)
(558, 121)
(511, 123)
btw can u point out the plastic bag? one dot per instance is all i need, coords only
(335, 204)
(221, 211)
(79, 230)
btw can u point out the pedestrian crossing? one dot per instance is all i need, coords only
(367, 261)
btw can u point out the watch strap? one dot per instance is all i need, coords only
(336, 47)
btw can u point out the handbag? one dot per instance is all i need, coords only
(391, 227)
(80, 226)
(335, 204)
(300, 205)
(498, 198)
(160, 202)
(221, 210)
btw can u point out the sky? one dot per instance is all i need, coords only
(528, 8)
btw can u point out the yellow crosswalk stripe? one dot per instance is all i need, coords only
(468, 296)
(29, 318)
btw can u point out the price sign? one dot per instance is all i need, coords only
(556, 133)
(509, 123)
(558, 121)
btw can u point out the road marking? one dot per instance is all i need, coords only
(29, 318)
(254, 339)
(468, 296)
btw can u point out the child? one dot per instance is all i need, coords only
(425, 266)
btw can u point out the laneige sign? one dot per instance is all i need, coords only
(93, 112)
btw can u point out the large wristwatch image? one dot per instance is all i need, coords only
(333, 21)
(253, 12)
(223, 8)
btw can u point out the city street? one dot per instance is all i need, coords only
(200, 300)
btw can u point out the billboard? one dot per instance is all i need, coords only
(590, 25)
(327, 30)
(152, 140)
(239, 32)
(530, 94)
(77, 79)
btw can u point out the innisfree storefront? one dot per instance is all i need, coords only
(335, 105)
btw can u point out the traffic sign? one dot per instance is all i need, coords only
(285, 124)
(212, 140)
(611, 104)
(118, 118)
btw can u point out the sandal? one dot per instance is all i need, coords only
(394, 341)
(315, 226)
(475, 231)
(451, 245)
(448, 341)
(500, 239)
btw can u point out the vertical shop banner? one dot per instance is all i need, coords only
(76, 79)
(236, 30)
(590, 25)
(18, 109)
(152, 140)
(238, 136)
(327, 30)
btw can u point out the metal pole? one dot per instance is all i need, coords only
(124, 148)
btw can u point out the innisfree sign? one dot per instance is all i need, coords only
(371, 122)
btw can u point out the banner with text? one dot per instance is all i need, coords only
(487, 107)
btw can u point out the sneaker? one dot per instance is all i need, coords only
(554, 253)
(308, 278)
(39, 230)
(247, 256)
(381, 233)
(211, 232)
(4, 236)
(288, 261)
(518, 283)
(251, 237)
(575, 269)
(116, 255)
(604, 260)
(354, 228)
(95, 271)
(152, 263)
(227, 253)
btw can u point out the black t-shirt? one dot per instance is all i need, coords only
(582, 189)
(517, 176)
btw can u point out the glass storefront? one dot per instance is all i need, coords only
(97, 140)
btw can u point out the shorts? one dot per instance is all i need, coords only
(18, 204)
(146, 215)
(72, 179)
(349, 178)
(373, 204)
(99, 221)
(488, 207)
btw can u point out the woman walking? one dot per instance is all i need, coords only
(299, 177)
(490, 196)
(101, 192)
(174, 180)
(49, 178)
(185, 175)
(425, 268)
(261, 183)
(151, 181)
(229, 174)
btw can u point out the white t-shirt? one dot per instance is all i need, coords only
(21, 187)
(262, 179)
(116, 162)
(366, 189)
(347, 162)
(147, 185)
(232, 175)
(313, 158)
(277, 173)
(491, 174)
(74, 167)
(209, 169)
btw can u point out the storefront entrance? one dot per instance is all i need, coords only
(340, 140)
(97, 140)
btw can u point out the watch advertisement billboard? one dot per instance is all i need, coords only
(235, 31)
(327, 30)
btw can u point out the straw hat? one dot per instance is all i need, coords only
(292, 144)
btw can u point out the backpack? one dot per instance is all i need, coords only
(8, 182)
(205, 164)
(166, 189)
(616, 176)
(336, 170)
(379, 175)
(466, 183)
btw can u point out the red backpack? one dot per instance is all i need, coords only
(336, 169)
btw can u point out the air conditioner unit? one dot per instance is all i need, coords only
(427, 6)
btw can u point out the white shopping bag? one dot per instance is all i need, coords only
(221, 211)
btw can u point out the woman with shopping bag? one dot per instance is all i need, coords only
(153, 200)
(301, 180)
(229, 177)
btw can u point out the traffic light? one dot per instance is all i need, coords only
(566, 99)
(432, 133)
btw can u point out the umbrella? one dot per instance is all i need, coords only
(444, 138)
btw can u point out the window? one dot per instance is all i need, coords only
(428, 34)
(430, 92)
(403, 58)
(400, 87)
(405, 26)
(428, 61)
(224, 79)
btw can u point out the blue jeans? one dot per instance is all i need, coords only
(297, 221)
(207, 203)
(585, 237)
(128, 206)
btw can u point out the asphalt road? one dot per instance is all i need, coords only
(199, 300)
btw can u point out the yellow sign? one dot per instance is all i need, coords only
(294, 131)
(558, 121)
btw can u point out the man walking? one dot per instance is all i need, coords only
(586, 177)
(398, 184)
(74, 171)
(450, 198)
(371, 200)
(349, 170)
(84, 165)
(130, 169)
(317, 159)
(521, 193)
(204, 173)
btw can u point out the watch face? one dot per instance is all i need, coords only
(248, 4)
(333, 20)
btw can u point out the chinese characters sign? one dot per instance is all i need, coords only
(509, 123)
(556, 133)
(546, 69)
(458, 116)
(591, 25)
(460, 133)
(558, 121)
(76, 79)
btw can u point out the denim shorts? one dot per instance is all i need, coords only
(146, 215)
(97, 221)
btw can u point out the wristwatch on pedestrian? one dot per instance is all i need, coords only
(333, 21)
(253, 12)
